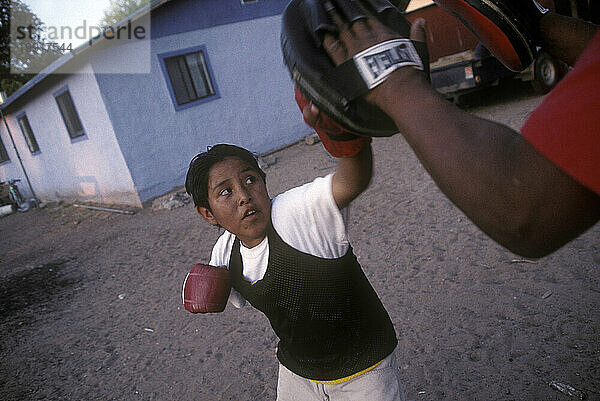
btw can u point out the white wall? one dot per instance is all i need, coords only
(85, 169)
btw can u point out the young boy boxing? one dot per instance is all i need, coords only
(290, 258)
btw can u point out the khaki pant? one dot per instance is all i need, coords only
(379, 384)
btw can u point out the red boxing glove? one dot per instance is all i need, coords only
(206, 289)
(338, 141)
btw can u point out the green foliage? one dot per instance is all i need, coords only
(10, 85)
(20, 57)
(121, 9)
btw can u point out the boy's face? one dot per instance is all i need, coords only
(239, 201)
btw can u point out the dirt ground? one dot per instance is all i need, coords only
(90, 301)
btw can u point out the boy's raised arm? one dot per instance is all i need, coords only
(352, 176)
(355, 158)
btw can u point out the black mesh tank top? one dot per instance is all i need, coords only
(329, 319)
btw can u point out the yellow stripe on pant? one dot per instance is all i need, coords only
(345, 379)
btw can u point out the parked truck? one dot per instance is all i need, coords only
(461, 64)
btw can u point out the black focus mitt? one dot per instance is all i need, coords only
(338, 91)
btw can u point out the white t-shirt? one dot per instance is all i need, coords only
(306, 218)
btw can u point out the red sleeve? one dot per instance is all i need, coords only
(565, 128)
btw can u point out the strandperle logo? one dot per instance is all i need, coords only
(66, 34)
(128, 42)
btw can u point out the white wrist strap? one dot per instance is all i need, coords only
(376, 63)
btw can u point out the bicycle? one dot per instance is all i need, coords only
(14, 196)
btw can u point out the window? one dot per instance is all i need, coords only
(3, 155)
(189, 77)
(69, 114)
(28, 133)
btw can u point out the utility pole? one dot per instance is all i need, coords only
(2, 99)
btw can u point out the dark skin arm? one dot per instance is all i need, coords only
(514, 194)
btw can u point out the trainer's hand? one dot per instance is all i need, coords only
(360, 35)
(311, 112)
(354, 37)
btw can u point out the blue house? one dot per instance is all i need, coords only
(215, 74)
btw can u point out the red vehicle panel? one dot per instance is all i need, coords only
(446, 35)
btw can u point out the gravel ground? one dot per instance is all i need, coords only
(90, 301)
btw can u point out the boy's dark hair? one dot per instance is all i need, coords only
(196, 181)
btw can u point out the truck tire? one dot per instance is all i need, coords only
(546, 73)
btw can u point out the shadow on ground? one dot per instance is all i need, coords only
(33, 288)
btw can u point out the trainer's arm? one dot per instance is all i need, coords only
(514, 194)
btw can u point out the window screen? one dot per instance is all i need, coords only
(28, 134)
(190, 77)
(69, 114)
